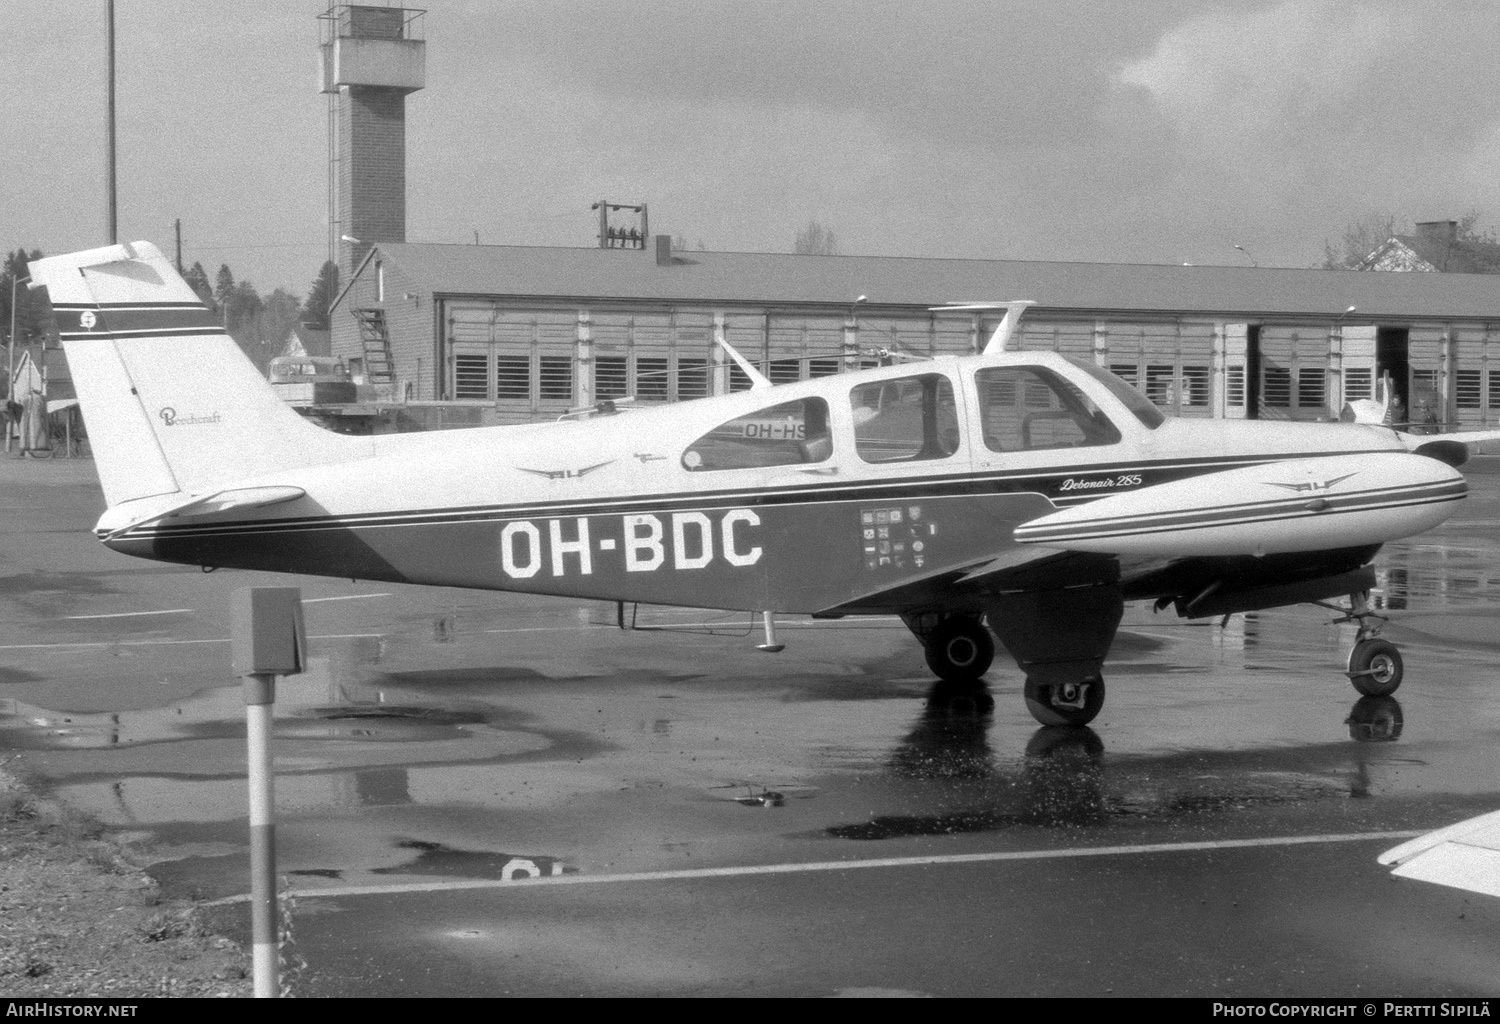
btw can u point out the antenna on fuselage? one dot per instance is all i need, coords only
(1007, 327)
(757, 379)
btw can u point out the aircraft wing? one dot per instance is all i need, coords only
(1464, 856)
(1416, 441)
(1011, 569)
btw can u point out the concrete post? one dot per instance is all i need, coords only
(268, 639)
(260, 699)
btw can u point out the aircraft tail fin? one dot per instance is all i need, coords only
(1003, 331)
(170, 402)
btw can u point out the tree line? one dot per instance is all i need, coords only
(260, 325)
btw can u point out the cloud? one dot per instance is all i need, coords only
(1272, 78)
(1306, 114)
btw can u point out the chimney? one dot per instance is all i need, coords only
(663, 250)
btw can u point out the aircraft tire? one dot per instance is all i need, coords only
(960, 650)
(1375, 667)
(1060, 704)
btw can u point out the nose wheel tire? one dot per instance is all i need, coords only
(960, 650)
(1375, 667)
(1065, 703)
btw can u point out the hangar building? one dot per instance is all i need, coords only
(501, 334)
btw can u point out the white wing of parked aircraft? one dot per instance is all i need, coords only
(1024, 496)
(1464, 856)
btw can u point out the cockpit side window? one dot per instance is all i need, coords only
(906, 419)
(782, 435)
(1025, 408)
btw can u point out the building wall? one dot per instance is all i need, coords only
(409, 316)
(529, 360)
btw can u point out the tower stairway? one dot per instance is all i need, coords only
(376, 340)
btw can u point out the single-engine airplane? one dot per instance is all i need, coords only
(1019, 495)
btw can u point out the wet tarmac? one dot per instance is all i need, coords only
(485, 794)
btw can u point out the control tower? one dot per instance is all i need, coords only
(372, 58)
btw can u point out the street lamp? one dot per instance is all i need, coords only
(1246, 252)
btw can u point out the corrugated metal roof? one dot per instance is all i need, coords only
(780, 279)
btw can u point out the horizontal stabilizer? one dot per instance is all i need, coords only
(1464, 856)
(199, 505)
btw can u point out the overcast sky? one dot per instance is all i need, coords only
(1163, 132)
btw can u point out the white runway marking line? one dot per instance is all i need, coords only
(169, 643)
(345, 597)
(127, 615)
(845, 865)
(863, 622)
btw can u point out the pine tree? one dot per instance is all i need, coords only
(197, 279)
(324, 290)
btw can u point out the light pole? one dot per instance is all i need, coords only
(10, 350)
(111, 209)
(1247, 255)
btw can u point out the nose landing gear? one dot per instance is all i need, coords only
(1375, 666)
(1068, 703)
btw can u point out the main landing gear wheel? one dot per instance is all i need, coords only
(1065, 703)
(960, 650)
(1375, 667)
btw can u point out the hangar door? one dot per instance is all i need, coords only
(1357, 365)
(1293, 373)
(1476, 391)
(519, 359)
(1169, 362)
(802, 347)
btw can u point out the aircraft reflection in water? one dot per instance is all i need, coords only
(1063, 776)
(1019, 495)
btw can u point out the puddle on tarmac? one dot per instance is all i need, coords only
(444, 861)
(303, 711)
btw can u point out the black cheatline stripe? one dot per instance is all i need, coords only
(1024, 481)
(127, 305)
(107, 319)
(1454, 488)
(906, 489)
(183, 332)
(1043, 537)
(1020, 481)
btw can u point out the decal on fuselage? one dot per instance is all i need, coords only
(896, 537)
(643, 542)
(1101, 483)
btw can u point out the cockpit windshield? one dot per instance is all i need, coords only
(1138, 404)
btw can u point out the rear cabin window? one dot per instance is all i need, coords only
(907, 419)
(1025, 408)
(788, 434)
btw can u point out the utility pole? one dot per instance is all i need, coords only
(178, 224)
(112, 225)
